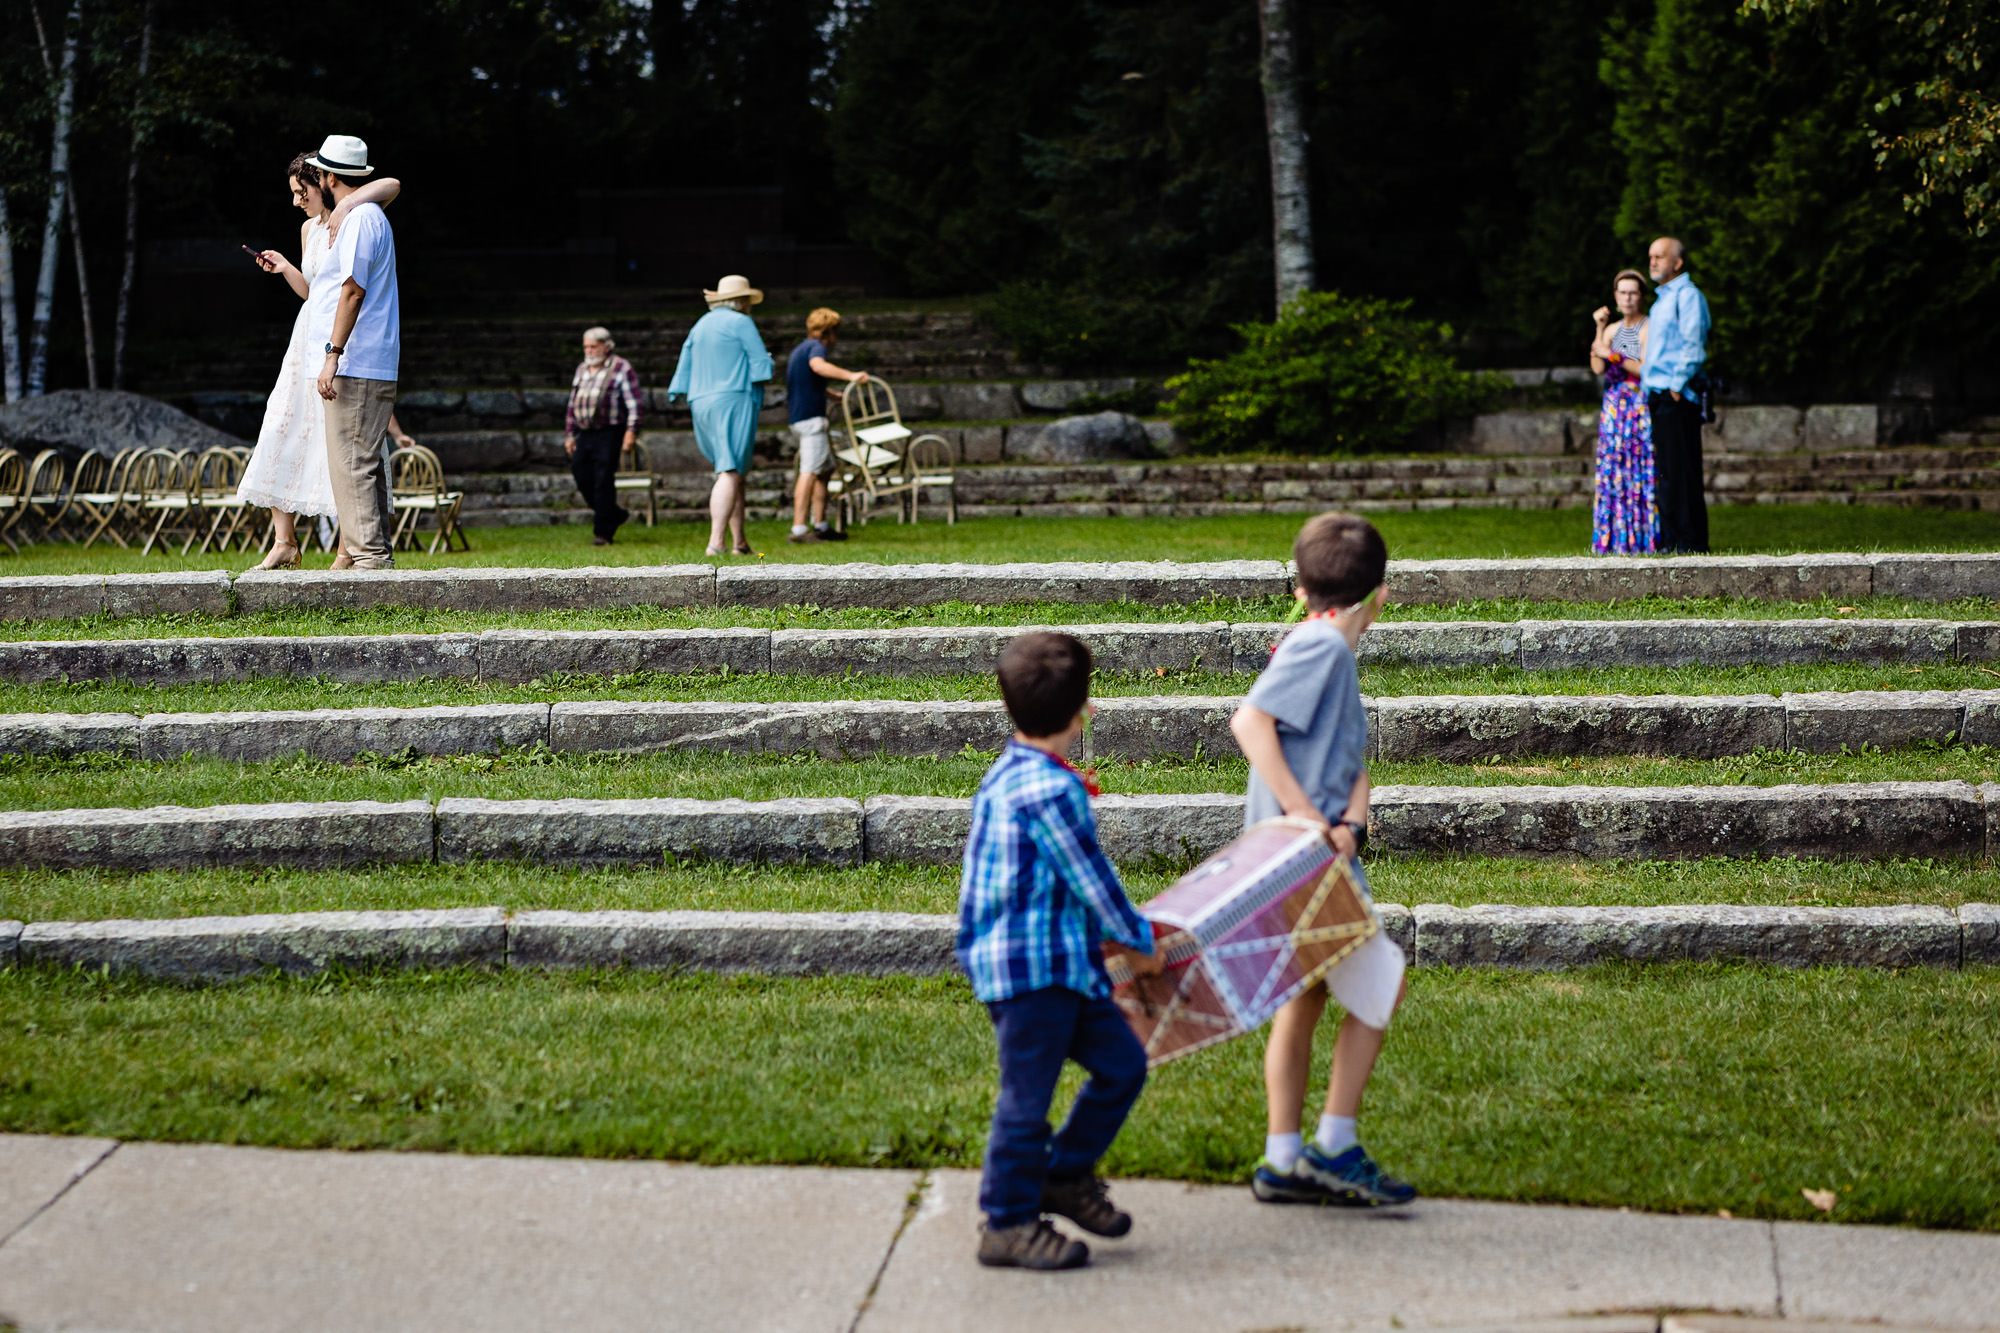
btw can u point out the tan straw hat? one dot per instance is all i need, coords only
(731, 287)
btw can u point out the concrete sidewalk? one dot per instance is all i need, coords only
(140, 1237)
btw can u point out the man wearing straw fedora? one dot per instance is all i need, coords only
(353, 297)
(721, 373)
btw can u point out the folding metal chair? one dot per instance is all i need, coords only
(635, 474)
(46, 498)
(13, 494)
(882, 454)
(97, 495)
(163, 486)
(417, 484)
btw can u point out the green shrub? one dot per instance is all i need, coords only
(1333, 374)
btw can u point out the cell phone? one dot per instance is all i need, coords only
(257, 255)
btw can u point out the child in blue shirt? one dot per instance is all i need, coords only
(1038, 905)
(1304, 732)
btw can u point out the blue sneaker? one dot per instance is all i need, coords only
(1271, 1185)
(1352, 1177)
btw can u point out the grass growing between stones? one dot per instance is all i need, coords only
(1675, 1088)
(91, 895)
(1436, 534)
(90, 696)
(29, 782)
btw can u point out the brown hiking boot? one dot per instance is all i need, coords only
(1084, 1202)
(1033, 1244)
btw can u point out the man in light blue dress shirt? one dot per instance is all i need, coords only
(1676, 348)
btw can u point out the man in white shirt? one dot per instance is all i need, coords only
(354, 300)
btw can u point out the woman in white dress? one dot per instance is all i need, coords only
(287, 471)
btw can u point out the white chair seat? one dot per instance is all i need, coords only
(875, 460)
(887, 433)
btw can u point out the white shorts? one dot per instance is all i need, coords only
(814, 458)
(1367, 980)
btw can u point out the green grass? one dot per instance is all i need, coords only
(29, 782)
(90, 696)
(1676, 1088)
(91, 895)
(1427, 535)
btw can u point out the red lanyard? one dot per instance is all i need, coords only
(1087, 775)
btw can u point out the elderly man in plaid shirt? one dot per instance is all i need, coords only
(605, 408)
(1038, 904)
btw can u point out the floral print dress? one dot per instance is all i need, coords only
(1626, 518)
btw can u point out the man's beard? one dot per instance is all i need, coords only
(595, 361)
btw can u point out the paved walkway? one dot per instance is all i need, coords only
(139, 1237)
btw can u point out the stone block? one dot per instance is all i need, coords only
(340, 734)
(1840, 427)
(228, 948)
(431, 400)
(1754, 430)
(790, 832)
(299, 833)
(1068, 441)
(1978, 641)
(69, 733)
(1423, 643)
(1835, 822)
(872, 944)
(373, 659)
(982, 444)
(520, 655)
(919, 830)
(931, 830)
(1562, 937)
(1620, 578)
(1979, 934)
(1982, 717)
(10, 942)
(674, 451)
(494, 403)
(1553, 645)
(478, 589)
(477, 450)
(1532, 433)
(1125, 649)
(1154, 583)
(839, 729)
(1822, 723)
(1936, 578)
(547, 402)
(1466, 729)
(1160, 727)
(1166, 441)
(203, 593)
(1399, 923)
(919, 402)
(51, 597)
(1061, 395)
(978, 402)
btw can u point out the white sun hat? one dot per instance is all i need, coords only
(343, 155)
(731, 287)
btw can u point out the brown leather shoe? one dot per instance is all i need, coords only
(1035, 1245)
(1084, 1202)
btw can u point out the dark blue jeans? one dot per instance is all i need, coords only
(1038, 1031)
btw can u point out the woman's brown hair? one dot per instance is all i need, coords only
(1633, 274)
(307, 174)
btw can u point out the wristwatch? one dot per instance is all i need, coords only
(1360, 832)
(331, 350)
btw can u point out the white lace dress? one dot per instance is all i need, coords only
(288, 468)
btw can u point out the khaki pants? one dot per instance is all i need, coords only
(355, 424)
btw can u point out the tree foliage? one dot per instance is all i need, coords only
(1331, 374)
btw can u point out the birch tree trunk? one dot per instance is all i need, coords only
(45, 285)
(127, 277)
(1284, 126)
(75, 234)
(10, 314)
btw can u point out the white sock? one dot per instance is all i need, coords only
(1336, 1134)
(1282, 1150)
(797, 528)
(823, 526)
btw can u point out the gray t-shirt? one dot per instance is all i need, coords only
(1312, 688)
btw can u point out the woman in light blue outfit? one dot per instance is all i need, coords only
(721, 373)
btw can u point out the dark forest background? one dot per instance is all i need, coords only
(1094, 166)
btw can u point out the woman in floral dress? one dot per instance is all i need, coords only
(1626, 518)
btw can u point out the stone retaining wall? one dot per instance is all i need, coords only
(887, 944)
(516, 656)
(1453, 728)
(1834, 822)
(1578, 578)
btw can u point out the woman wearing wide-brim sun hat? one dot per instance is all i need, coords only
(722, 369)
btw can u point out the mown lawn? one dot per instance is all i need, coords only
(1437, 534)
(1678, 1088)
(30, 782)
(94, 895)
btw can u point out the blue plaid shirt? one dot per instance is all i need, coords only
(1038, 894)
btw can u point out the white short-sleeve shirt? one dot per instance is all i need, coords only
(365, 250)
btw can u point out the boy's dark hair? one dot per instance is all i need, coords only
(1341, 559)
(1045, 680)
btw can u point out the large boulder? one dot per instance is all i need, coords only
(1091, 439)
(103, 421)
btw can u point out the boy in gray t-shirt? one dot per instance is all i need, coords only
(1304, 732)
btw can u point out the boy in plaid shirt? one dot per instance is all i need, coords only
(1038, 904)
